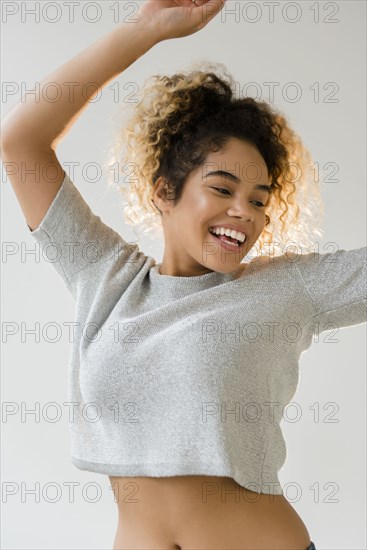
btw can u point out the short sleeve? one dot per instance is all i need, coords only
(336, 283)
(74, 239)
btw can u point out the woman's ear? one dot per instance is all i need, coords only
(161, 193)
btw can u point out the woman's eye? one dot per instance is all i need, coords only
(260, 204)
(221, 189)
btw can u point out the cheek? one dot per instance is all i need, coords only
(197, 212)
(201, 203)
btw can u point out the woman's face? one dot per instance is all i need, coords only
(215, 200)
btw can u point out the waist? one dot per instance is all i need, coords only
(213, 504)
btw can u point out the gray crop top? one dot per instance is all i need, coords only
(188, 375)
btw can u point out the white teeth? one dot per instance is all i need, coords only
(229, 232)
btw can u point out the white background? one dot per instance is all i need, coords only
(319, 452)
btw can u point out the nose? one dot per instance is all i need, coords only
(241, 210)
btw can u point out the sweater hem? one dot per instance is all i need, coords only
(169, 469)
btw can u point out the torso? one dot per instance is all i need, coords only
(202, 512)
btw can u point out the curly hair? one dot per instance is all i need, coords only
(182, 118)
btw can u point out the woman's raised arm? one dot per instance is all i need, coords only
(32, 129)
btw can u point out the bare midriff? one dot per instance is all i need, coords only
(197, 512)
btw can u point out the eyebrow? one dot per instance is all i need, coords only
(235, 179)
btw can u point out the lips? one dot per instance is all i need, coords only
(228, 246)
(229, 226)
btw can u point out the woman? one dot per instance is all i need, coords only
(180, 370)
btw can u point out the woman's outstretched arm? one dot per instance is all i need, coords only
(32, 129)
(42, 123)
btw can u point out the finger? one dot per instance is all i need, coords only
(216, 3)
(210, 8)
(201, 3)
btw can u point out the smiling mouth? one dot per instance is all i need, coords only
(228, 243)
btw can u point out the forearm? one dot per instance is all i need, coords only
(42, 122)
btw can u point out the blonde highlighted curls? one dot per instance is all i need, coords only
(182, 118)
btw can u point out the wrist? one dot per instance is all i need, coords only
(142, 26)
(131, 40)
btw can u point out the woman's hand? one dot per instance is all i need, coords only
(178, 18)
